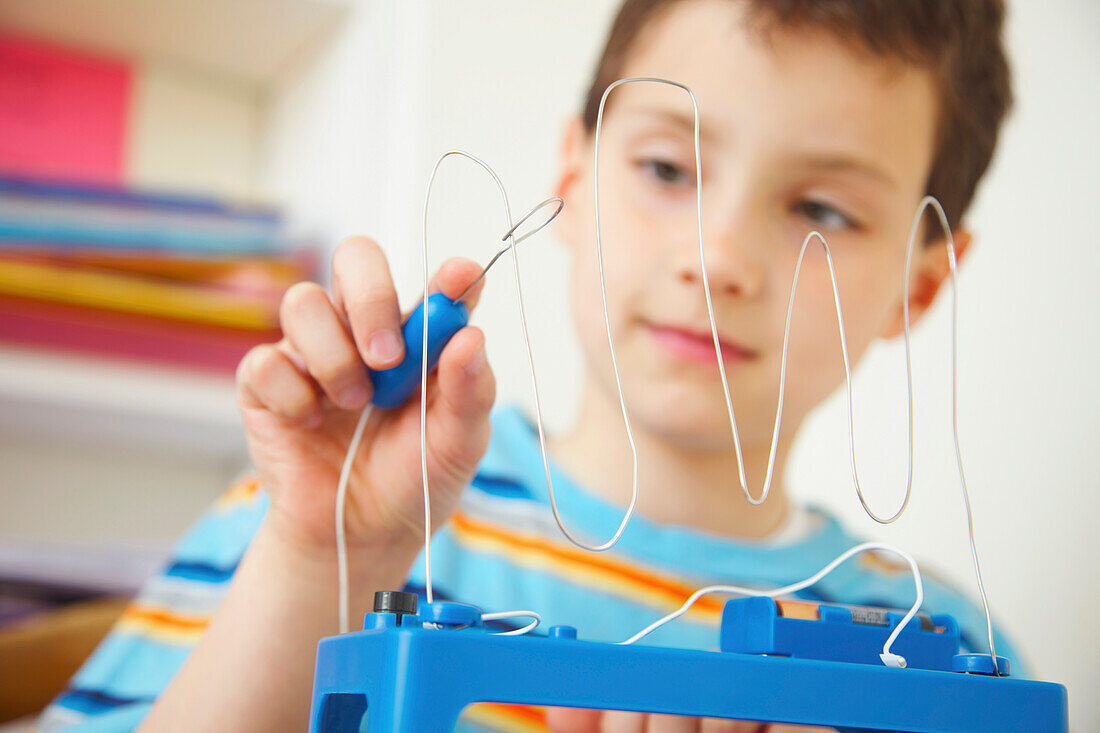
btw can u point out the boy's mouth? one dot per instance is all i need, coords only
(697, 346)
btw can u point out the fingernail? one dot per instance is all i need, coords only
(353, 397)
(383, 347)
(476, 363)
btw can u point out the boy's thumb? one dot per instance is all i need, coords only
(465, 391)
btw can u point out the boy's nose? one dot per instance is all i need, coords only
(729, 270)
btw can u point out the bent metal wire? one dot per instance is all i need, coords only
(509, 236)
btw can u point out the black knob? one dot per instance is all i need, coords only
(394, 601)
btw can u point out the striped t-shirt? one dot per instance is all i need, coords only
(502, 551)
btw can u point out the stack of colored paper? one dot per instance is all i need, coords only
(178, 279)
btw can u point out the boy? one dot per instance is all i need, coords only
(832, 115)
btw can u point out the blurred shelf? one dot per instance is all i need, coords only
(251, 40)
(119, 403)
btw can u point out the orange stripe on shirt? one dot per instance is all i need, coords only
(594, 570)
(163, 625)
(242, 492)
(507, 718)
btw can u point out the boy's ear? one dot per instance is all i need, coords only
(930, 270)
(574, 149)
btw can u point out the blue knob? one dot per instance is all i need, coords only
(445, 317)
(562, 632)
(979, 664)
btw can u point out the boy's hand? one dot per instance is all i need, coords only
(580, 720)
(301, 398)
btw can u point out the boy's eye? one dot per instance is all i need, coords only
(667, 172)
(823, 215)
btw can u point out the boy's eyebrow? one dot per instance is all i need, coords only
(830, 162)
(680, 119)
(841, 163)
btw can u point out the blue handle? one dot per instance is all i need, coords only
(445, 317)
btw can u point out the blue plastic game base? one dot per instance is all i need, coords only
(418, 679)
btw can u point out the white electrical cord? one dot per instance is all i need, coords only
(341, 529)
(888, 658)
(514, 614)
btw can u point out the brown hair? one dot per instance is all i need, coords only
(958, 41)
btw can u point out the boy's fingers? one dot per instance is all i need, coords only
(465, 382)
(313, 328)
(672, 724)
(573, 720)
(454, 276)
(580, 720)
(464, 393)
(620, 721)
(363, 290)
(719, 725)
(267, 378)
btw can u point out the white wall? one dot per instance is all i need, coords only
(190, 130)
(343, 135)
(499, 79)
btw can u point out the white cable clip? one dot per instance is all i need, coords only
(892, 660)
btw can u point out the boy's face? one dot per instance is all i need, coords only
(800, 131)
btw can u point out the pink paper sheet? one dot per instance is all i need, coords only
(63, 113)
